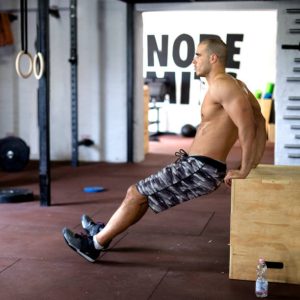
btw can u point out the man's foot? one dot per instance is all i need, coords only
(92, 228)
(82, 244)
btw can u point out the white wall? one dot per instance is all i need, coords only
(258, 45)
(18, 103)
(113, 77)
(101, 78)
(283, 60)
(138, 125)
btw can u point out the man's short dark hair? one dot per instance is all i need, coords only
(218, 47)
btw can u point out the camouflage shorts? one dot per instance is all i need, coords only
(187, 178)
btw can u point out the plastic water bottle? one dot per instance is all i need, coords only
(261, 285)
(167, 99)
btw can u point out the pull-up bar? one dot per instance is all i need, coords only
(43, 104)
(43, 43)
(52, 9)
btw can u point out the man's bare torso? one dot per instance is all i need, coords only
(216, 133)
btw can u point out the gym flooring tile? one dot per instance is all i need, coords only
(188, 253)
(208, 285)
(179, 254)
(6, 263)
(32, 279)
(175, 224)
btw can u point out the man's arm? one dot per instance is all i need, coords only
(238, 107)
(261, 138)
(261, 134)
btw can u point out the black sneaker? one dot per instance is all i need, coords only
(82, 244)
(92, 228)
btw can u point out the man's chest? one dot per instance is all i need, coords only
(210, 108)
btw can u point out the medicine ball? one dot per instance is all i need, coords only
(14, 154)
(188, 130)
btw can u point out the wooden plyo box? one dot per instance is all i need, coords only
(265, 222)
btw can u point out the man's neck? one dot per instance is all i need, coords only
(213, 74)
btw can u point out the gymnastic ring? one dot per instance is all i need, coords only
(18, 58)
(38, 75)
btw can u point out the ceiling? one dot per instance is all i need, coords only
(186, 1)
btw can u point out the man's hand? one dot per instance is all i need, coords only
(233, 174)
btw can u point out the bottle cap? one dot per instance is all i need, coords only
(261, 260)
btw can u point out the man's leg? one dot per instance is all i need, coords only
(132, 209)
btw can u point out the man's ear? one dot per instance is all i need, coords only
(213, 58)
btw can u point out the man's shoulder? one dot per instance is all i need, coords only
(225, 79)
(226, 88)
(223, 83)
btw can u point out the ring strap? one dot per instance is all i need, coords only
(24, 27)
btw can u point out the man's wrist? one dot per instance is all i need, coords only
(245, 171)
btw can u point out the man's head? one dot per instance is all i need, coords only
(211, 51)
(218, 47)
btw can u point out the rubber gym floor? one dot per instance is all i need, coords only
(182, 253)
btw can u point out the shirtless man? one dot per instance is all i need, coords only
(229, 113)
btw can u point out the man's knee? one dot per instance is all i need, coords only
(134, 196)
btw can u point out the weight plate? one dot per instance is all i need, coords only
(93, 189)
(14, 154)
(15, 195)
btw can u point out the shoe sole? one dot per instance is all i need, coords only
(78, 251)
